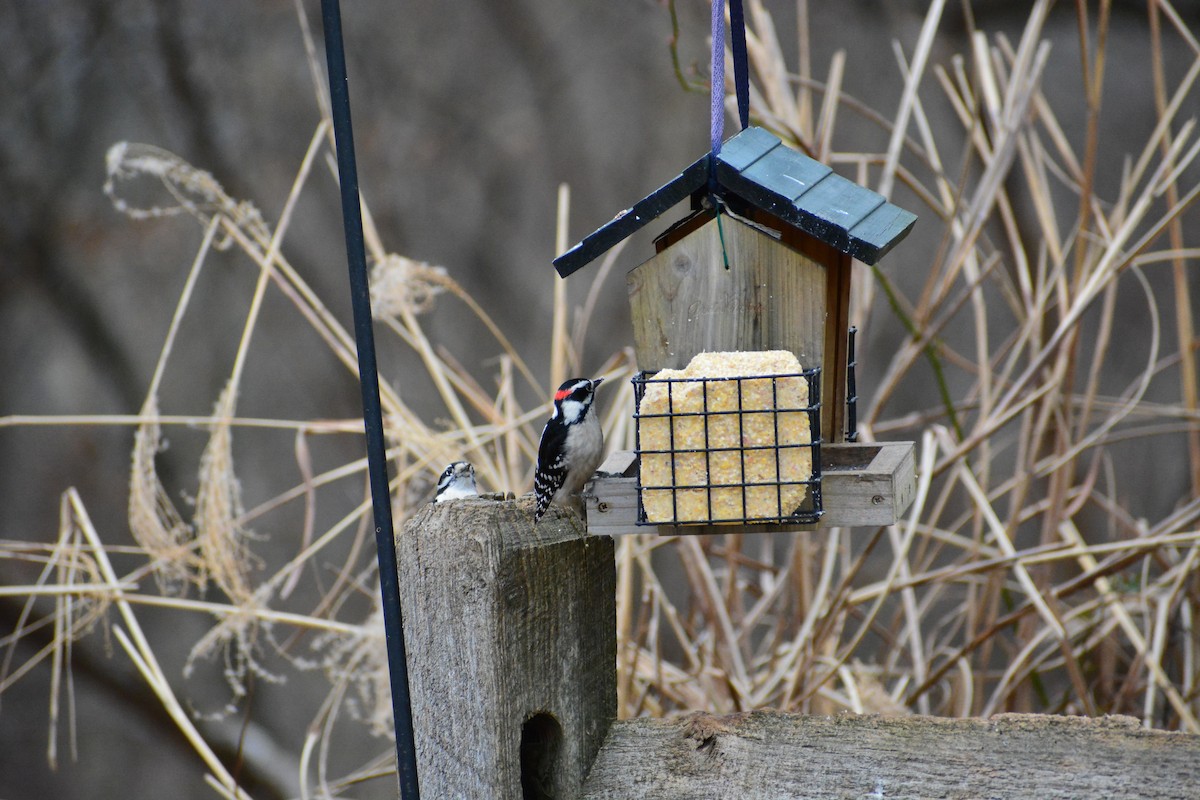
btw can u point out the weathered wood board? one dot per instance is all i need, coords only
(861, 485)
(683, 301)
(773, 756)
(506, 622)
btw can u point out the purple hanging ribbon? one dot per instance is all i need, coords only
(741, 72)
(717, 129)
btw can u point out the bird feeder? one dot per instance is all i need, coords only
(761, 264)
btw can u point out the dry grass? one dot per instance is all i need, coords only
(1018, 581)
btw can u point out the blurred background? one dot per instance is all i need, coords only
(468, 117)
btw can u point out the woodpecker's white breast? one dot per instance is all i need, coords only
(584, 447)
(458, 489)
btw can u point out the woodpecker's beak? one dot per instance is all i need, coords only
(596, 382)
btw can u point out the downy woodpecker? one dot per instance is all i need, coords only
(457, 480)
(572, 444)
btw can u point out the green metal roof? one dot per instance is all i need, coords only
(759, 169)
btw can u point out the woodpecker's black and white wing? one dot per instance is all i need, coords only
(457, 480)
(551, 467)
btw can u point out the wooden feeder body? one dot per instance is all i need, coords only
(783, 290)
(793, 229)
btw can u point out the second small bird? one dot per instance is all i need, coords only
(456, 480)
(571, 448)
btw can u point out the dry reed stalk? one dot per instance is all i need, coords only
(1184, 323)
(562, 359)
(138, 648)
(221, 539)
(155, 522)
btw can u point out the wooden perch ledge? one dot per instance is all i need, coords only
(766, 754)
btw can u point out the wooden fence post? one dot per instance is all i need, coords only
(511, 638)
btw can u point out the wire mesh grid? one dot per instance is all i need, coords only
(735, 450)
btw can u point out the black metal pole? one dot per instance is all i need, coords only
(360, 299)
